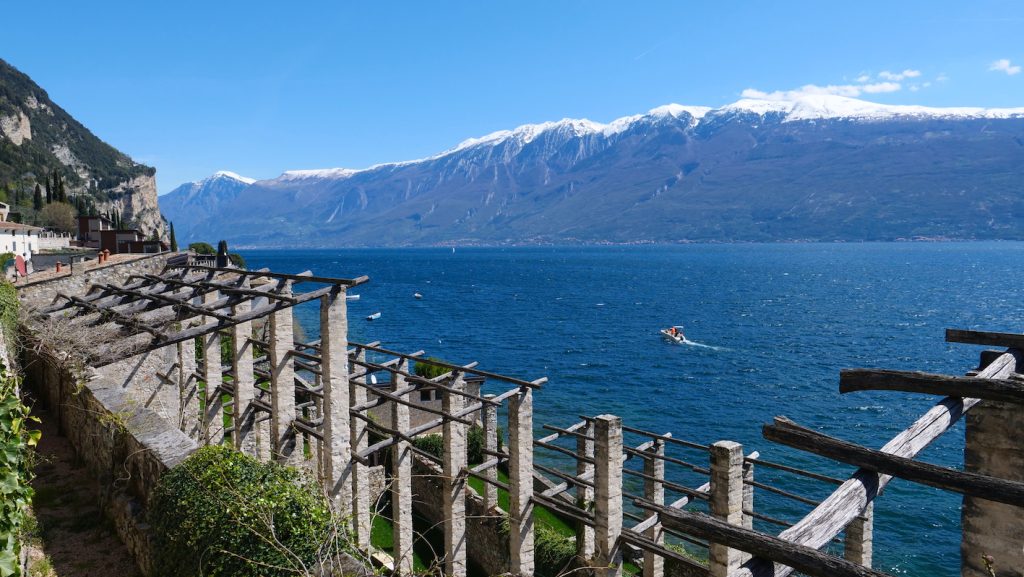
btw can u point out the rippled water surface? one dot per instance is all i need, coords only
(778, 323)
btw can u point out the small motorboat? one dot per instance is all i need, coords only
(352, 297)
(373, 317)
(675, 333)
(417, 295)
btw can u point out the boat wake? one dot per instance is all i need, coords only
(687, 341)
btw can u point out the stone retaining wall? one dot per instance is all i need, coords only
(39, 290)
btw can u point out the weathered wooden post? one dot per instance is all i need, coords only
(490, 426)
(282, 384)
(607, 494)
(455, 460)
(401, 481)
(362, 516)
(726, 495)
(336, 456)
(520, 476)
(585, 494)
(243, 414)
(857, 539)
(213, 416)
(654, 491)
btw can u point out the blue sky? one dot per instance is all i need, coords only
(263, 87)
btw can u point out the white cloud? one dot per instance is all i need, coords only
(850, 90)
(1003, 65)
(942, 77)
(897, 76)
(863, 78)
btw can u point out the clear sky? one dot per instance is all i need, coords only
(263, 87)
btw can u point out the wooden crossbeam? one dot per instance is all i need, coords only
(119, 318)
(981, 486)
(166, 300)
(851, 380)
(804, 559)
(685, 566)
(281, 276)
(988, 338)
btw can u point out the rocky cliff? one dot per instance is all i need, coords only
(39, 139)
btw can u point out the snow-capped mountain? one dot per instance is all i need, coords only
(814, 167)
(202, 197)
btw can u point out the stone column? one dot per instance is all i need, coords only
(336, 447)
(243, 414)
(188, 390)
(585, 494)
(455, 460)
(654, 491)
(607, 495)
(490, 427)
(993, 447)
(282, 386)
(213, 417)
(857, 540)
(726, 502)
(361, 513)
(401, 482)
(520, 480)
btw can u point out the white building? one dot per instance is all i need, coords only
(21, 239)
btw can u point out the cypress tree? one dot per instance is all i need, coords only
(174, 241)
(37, 198)
(49, 191)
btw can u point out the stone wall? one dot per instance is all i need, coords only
(126, 445)
(993, 434)
(40, 291)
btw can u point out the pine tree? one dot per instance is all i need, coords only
(174, 241)
(37, 199)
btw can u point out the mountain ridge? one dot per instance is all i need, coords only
(755, 170)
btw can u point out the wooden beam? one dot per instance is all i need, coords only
(982, 486)
(849, 500)
(992, 339)
(277, 275)
(851, 380)
(804, 559)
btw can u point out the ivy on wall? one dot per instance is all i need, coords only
(16, 440)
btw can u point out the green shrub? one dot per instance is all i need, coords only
(427, 370)
(237, 259)
(8, 311)
(202, 248)
(433, 444)
(554, 553)
(222, 513)
(15, 470)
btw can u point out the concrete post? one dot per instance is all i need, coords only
(455, 460)
(654, 491)
(993, 447)
(607, 495)
(401, 483)
(490, 427)
(188, 390)
(282, 386)
(243, 414)
(361, 513)
(337, 453)
(726, 502)
(520, 480)
(857, 540)
(213, 416)
(585, 494)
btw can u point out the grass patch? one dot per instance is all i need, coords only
(541, 514)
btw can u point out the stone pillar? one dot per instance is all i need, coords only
(585, 494)
(401, 482)
(993, 447)
(654, 491)
(520, 480)
(243, 414)
(726, 502)
(607, 495)
(857, 540)
(490, 426)
(188, 390)
(282, 386)
(455, 460)
(337, 452)
(213, 416)
(361, 513)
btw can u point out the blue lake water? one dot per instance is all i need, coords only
(779, 321)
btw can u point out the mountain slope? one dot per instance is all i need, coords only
(202, 197)
(819, 168)
(38, 137)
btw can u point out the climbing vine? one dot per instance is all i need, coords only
(16, 439)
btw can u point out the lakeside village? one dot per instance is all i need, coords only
(219, 441)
